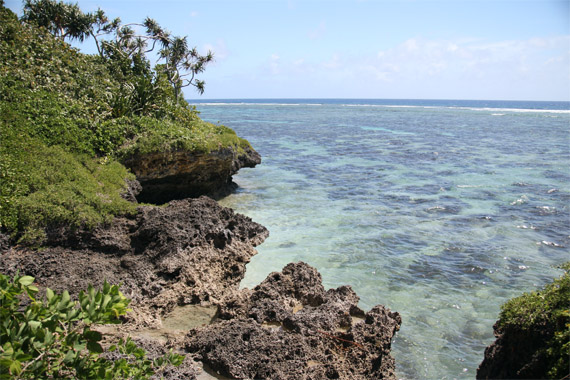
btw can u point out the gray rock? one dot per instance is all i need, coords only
(181, 174)
(288, 327)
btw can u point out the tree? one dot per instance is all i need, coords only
(182, 64)
(129, 43)
(61, 19)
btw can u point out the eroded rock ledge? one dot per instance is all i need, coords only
(289, 327)
(183, 174)
(188, 258)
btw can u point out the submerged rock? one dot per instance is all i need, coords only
(182, 174)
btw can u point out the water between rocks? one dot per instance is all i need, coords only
(440, 210)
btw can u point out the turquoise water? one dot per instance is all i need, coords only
(440, 210)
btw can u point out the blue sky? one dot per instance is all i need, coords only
(407, 49)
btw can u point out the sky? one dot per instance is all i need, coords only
(385, 49)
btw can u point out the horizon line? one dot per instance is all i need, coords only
(369, 98)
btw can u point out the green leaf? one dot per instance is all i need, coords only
(15, 367)
(94, 336)
(106, 287)
(49, 294)
(94, 347)
(69, 357)
(65, 297)
(33, 288)
(26, 280)
(106, 301)
(34, 324)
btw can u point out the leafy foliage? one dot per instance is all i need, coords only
(550, 308)
(64, 20)
(61, 19)
(52, 338)
(43, 186)
(67, 119)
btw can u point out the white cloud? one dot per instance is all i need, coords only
(455, 68)
(334, 63)
(471, 59)
(275, 64)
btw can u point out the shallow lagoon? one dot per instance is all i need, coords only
(440, 210)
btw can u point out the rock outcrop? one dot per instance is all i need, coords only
(182, 263)
(188, 252)
(289, 327)
(182, 174)
(516, 354)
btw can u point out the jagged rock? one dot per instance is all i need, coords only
(133, 189)
(194, 252)
(289, 327)
(183, 174)
(517, 354)
(190, 251)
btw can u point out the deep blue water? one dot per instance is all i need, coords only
(439, 209)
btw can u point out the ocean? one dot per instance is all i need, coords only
(442, 210)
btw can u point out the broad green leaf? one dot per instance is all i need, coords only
(95, 336)
(15, 367)
(49, 294)
(65, 297)
(106, 287)
(26, 280)
(69, 357)
(106, 301)
(34, 324)
(33, 288)
(94, 347)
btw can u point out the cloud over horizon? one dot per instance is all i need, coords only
(432, 68)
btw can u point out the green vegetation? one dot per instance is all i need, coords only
(53, 339)
(544, 309)
(67, 118)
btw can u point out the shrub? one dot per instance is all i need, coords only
(46, 186)
(66, 121)
(548, 310)
(52, 338)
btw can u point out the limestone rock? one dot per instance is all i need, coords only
(182, 174)
(516, 354)
(289, 327)
(190, 251)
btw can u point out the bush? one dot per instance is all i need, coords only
(46, 186)
(53, 338)
(66, 121)
(548, 310)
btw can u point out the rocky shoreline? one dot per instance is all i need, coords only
(182, 263)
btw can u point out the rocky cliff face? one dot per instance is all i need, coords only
(182, 174)
(517, 354)
(182, 263)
